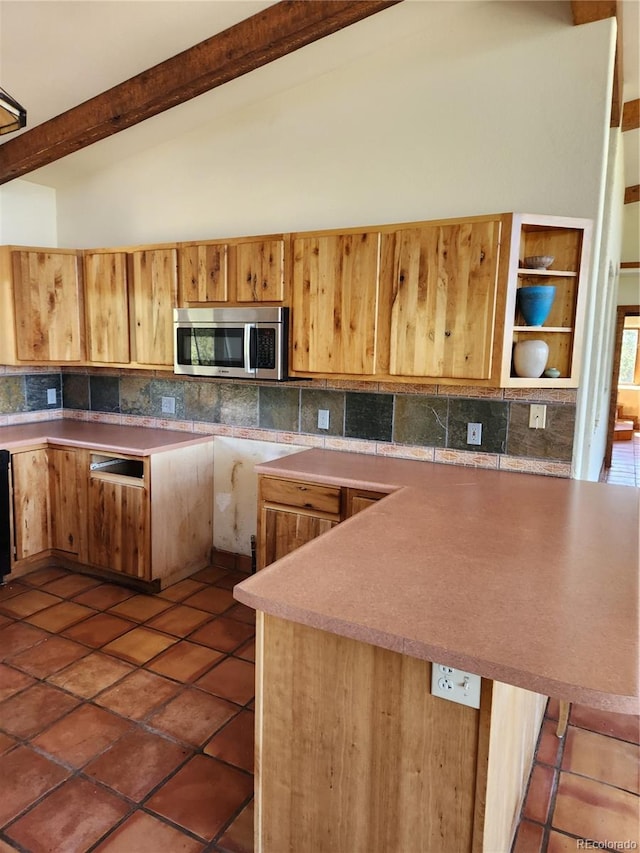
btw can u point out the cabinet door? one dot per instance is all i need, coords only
(358, 499)
(48, 306)
(203, 274)
(30, 482)
(260, 271)
(154, 295)
(107, 308)
(334, 301)
(283, 530)
(64, 483)
(443, 300)
(118, 527)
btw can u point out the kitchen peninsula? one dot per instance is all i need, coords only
(530, 582)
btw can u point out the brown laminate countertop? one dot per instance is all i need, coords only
(135, 441)
(524, 579)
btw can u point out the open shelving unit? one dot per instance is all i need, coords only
(568, 241)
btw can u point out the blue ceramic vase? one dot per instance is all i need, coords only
(535, 301)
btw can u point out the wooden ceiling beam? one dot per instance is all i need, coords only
(631, 115)
(276, 31)
(588, 11)
(632, 194)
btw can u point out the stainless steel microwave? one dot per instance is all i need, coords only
(238, 343)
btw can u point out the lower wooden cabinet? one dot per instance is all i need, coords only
(95, 510)
(118, 531)
(292, 513)
(30, 485)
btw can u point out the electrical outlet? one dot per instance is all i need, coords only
(52, 397)
(537, 416)
(455, 685)
(323, 418)
(168, 405)
(474, 433)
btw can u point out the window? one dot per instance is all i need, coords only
(629, 360)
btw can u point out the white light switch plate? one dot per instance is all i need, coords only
(474, 433)
(323, 418)
(455, 685)
(52, 397)
(168, 405)
(537, 416)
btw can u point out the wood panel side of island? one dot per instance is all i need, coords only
(353, 753)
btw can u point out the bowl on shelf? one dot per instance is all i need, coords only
(538, 262)
(535, 301)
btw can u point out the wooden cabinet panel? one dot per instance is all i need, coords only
(203, 273)
(285, 530)
(443, 300)
(118, 527)
(30, 484)
(47, 299)
(334, 301)
(65, 485)
(303, 495)
(260, 271)
(359, 499)
(107, 307)
(154, 295)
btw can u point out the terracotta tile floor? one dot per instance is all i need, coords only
(625, 462)
(126, 720)
(584, 787)
(126, 726)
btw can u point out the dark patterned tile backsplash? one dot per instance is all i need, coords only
(75, 391)
(492, 415)
(369, 416)
(311, 401)
(37, 389)
(12, 394)
(410, 419)
(222, 403)
(420, 420)
(279, 408)
(104, 392)
(555, 441)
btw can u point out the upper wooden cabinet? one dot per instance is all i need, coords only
(107, 307)
(334, 302)
(202, 273)
(231, 272)
(154, 293)
(129, 302)
(41, 302)
(444, 284)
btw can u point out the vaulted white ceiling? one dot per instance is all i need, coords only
(55, 54)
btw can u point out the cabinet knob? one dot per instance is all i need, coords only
(447, 333)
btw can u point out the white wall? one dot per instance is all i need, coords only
(485, 107)
(236, 492)
(28, 214)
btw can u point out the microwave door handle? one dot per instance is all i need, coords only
(250, 348)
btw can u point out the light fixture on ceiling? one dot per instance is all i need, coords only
(12, 115)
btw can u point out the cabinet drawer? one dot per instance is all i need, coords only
(307, 495)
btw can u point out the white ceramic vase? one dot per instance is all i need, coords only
(530, 358)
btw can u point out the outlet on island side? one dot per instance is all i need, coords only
(455, 685)
(474, 433)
